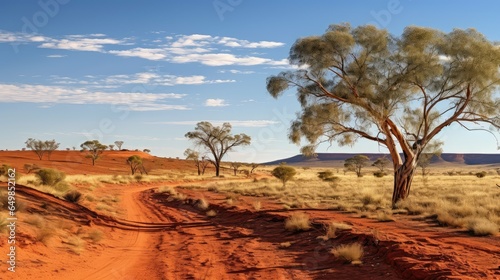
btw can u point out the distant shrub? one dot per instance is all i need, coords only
(73, 196)
(50, 177)
(481, 174)
(379, 174)
(325, 175)
(284, 173)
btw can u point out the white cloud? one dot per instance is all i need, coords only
(162, 80)
(235, 43)
(237, 71)
(56, 56)
(80, 43)
(146, 53)
(234, 123)
(46, 95)
(222, 59)
(215, 103)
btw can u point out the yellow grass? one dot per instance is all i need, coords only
(349, 252)
(452, 200)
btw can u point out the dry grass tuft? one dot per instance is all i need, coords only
(202, 204)
(482, 227)
(284, 245)
(257, 205)
(349, 252)
(95, 235)
(298, 222)
(211, 213)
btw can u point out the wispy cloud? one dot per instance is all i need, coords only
(145, 53)
(234, 123)
(215, 103)
(47, 95)
(56, 56)
(233, 71)
(195, 48)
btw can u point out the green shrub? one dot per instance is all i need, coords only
(284, 173)
(50, 177)
(323, 175)
(73, 196)
(481, 174)
(379, 174)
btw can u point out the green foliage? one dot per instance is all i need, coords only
(135, 162)
(379, 174)
(50, 177)
(398, 91)
(325, 174)
(284, 173)
(40, 147)
(381, 163)
(73, 196)
(217, 140)
(94, 149)
(356, 164)
(481, 174)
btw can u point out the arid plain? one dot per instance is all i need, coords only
(174, 224)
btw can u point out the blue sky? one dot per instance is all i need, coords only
(145, 72)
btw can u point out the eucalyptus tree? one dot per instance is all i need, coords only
(398, 91)
(94, 149)
(217, 140)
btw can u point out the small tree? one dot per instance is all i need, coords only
(253, 167)
(398, 91)
(135, 163)
(201, 163)
(94, 149)
(381, 163)
(119, 144)
(147, 151)
(423, 162)
(235, 166)
(284, 173)
(28, 167)
(356, 164)
(217, 140)
(37, 146)
(51, 146)
(111, 147)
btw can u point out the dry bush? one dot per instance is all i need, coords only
(298, 222)
(167, 189)
(211, 213)
(95, 235)
(284, 245)
(35, 220)
(482, 227)
(77, 244)
(349, 252)
(73, 196)
(202, 204)
(50, 177)
(384, 216)
(44, 235)
(257, 205)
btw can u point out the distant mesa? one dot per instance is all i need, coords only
(335, 159)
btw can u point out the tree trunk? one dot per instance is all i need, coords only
(217, 168)
(403, 177)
